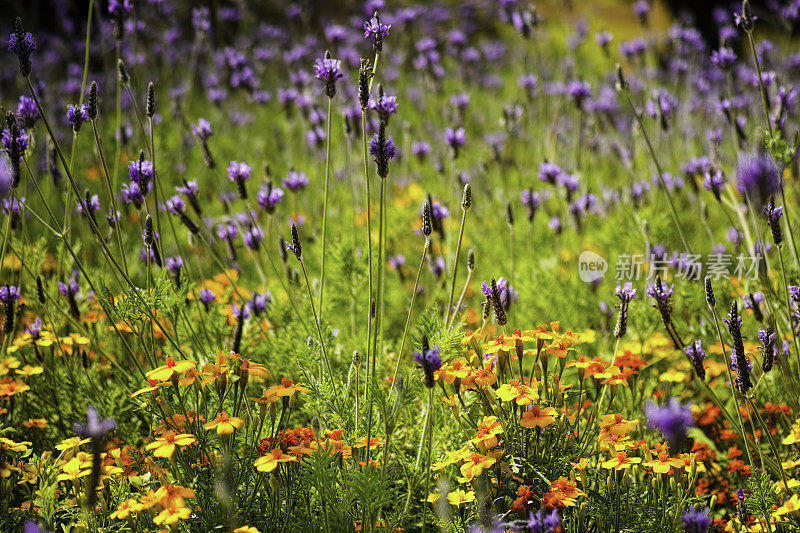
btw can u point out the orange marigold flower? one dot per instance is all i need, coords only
(474, 466)
(487, 432)
(538, 417)
(37, 423)
(170, 495)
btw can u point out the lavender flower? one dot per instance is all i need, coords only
(9, 294)
(27, 112)
(753, 302)
(626, 293)
(579, 92)
(773, 217)
(739, 362)
(269, 197)
(696, 520)
(429, 360)
(506, 294)
(455, 139)
(22, 44)
(377, 31)
(295, 181)
(550, 173)
(768, 340)
(206, 296)
(531, 200)
(34, 329)
(694, 350)
(758, 178)
(382, 149)
(543, 521)
(202, 130)
(239, 173)
(76, 116)
(328, 71)
(252, 237)
(672, 420)
(384, 105)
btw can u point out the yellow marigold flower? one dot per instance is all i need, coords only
(164, 446)
(270, 462)
(8, 364)
(29, 370)
(72, 470)
(517, 391)
(373, 442)
(433, 497)
(8, 444)
(794, 435)
(792, 505)
(72, 442)
(170, 368)
(286, 388)
(224, 424)
(459, 497)
(620, 462)
(663, 463)
(538, 417)
(246, 529)
(152, 384)
(172, 515)
(615, 425)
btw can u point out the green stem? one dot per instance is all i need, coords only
(325, 208)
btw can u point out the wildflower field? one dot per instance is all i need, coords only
(482, 266)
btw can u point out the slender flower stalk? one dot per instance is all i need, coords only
(296, 248)
(328, 71)
(426, 231)
(470, 270)
(466, 203)
(623, 87)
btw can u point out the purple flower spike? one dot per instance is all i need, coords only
(672, 420)
(94, 428)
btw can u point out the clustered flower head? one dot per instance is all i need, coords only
(758, 178)
(328, 71)
(383, 150)
(77, 115)
(672, 420)
(23, 45)
(239, 173)
(626, 293)
(9, 294)
(694, 350)
(377, 31)
(739, 361)
(269, 197)
(429, 360)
